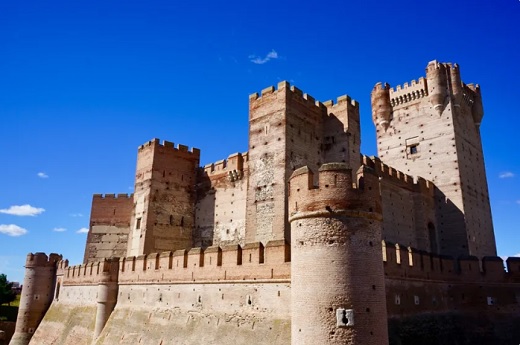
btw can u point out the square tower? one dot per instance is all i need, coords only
(431, 128)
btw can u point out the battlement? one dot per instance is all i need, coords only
(406, 262)
(42, 260)
(335, 193)
(167, 144)
(408, 92)
(234, 163)
(387, 172)
(253, 261)
(112, 196)
(91, 273)
(303, 97)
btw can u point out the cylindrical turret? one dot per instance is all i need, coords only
(381, 107)
(437, 85)
(477, 110)
(456, 84)
(337, 276)
(107, 294)
(37, 295)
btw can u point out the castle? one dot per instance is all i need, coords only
(299, 240)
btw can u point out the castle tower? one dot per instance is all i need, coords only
(433, 131)
(37, 295)
(337, 277)
(164, 198)
(287, 130)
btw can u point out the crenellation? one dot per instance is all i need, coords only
(170, 145)
(406, 93)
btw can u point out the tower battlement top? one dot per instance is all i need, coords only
(167, 144)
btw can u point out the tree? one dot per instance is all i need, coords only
(7, 294)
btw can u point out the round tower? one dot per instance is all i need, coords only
(337, 275)
(437, 85)
(381, 106)
(37, 295)
(456, 85)
(107, 293)
(477, 110)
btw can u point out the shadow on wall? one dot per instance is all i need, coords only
(454, 329)
(203, 234)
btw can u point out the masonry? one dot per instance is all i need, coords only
(301, 239)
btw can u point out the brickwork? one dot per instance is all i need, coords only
(109, 226)
(430, 128)
(336, 242)
(164, 198)
(221, 202)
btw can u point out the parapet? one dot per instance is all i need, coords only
(167, 144)
(407, 262)
(92, 272)
(301, 96)
(42, 260)
(389, 173)
(112, 196)
(234, 163)
(336, 192)
(408, 92)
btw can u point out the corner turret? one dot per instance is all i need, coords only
(336, 242)
(381, 106)
(437, 85)
(456, 85)
(37, 294)
(477, 110)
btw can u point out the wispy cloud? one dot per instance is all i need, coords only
(42, 175)
(22, 210)
(59, 229)
(506, 174)
(517, 255)
(12, 230)
(76, 214)
(82, 231)
(272, 55)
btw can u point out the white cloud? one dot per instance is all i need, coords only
(506, 174)
(517, 255)
(42, 175)
(260, 61)
(22, 210)
(82, 231)
(76, 214)
(12, 230)
(59, 229)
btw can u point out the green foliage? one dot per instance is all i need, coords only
(6, 290)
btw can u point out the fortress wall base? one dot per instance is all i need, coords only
(230, 313)
(69, 320)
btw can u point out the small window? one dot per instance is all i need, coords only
(413, 149)
(138, 223)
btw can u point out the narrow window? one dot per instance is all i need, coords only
(138, 223)
(413, 149)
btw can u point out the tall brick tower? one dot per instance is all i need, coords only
(164, 198)
(337, 276)
(287, 130)
(431, 128)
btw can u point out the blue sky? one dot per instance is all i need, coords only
(82, 84)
